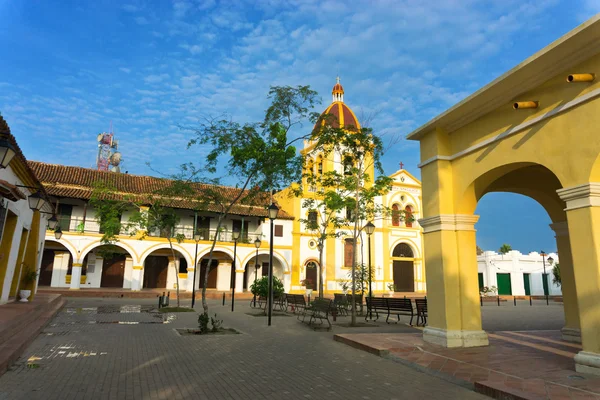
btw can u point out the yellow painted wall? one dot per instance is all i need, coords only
(7, 238)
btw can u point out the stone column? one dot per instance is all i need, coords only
(190, 280)
(571, 332)
(224, 275)
(453, 290)
(239, 280)
(137, 278)
(75, 276)
(583, 217)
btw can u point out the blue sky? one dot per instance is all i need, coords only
(69, 68)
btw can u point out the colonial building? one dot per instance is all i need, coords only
(75, 260)
(22, 219)
(396, 244)
(518, 274)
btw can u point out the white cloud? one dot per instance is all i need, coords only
(141, 21)
(126, 70)
(156, 78)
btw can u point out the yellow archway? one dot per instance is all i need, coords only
(549, 152)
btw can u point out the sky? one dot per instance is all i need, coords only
(70, 68)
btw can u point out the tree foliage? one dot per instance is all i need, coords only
(505, 248)
(556, 279)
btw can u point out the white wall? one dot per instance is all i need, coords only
(491, 263)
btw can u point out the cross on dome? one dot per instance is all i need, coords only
(338, 91)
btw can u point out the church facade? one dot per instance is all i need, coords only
(396, 244)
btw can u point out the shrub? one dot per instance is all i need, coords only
(260, 287)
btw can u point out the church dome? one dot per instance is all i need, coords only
(338, 113)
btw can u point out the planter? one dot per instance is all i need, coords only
(24, 294)
(308, 292)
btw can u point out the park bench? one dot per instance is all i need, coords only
(358, 300)
(376, 304)
(319, 309)
(399, 307)
(296, 302)
(421, 310)
(340, 302)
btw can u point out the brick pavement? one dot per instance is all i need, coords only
(114, 353)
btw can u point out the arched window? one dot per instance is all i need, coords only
(395, 215)
(408, 216)
(403, 250)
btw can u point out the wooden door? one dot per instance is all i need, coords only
(113, 271)
(155, 271)
(212, 274)
(404, 276)
(46, 268)
(311, 274)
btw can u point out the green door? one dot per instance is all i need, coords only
(480, 276)
(504, 286)
(545, 283)
(527, 284)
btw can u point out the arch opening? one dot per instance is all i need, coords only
(160, 269)
(403, 268)
(258, 267)
(55, 258)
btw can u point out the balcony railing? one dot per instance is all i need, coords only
(90, 225)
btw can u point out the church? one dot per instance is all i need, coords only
(396, 243)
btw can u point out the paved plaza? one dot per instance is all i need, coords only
(121, 349)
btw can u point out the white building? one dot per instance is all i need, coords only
(517, 274)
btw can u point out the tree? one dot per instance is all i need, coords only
(505, 248)
(147, 213)
(260, 155)
(556, 279)
(478, 250)
(352, 185)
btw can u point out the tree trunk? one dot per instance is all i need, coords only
(321, 270)
(176, 264)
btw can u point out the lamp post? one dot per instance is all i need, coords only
(52, 221)
(257, 244)
(36, 201)
(58, 233)
(544, 277)
(370, 228)
(273, 211)
(197, 238)
(235, 235)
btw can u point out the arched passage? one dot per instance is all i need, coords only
(57, 261)
(403, 268)
(257, 267)
(161, 269)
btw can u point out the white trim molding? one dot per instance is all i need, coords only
(581, 196)
(587, 362)
(447, 338)
(516, 129)
(449, 222)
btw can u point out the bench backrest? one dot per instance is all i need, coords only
(377, 302)
(399, 304)
(321, 304)
(421, 305)
(295, 299)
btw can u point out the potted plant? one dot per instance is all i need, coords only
(28, 277)
(392, 288)
(308, 284)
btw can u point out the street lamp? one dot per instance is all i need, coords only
(197, 238)
(52, 221)
(370, 228)
(273, 211)
(7, 152)
(257, 244)
(58, 233)
(544, 277)
(36, 201)
(235, 235)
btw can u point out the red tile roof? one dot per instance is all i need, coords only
(77, 182)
